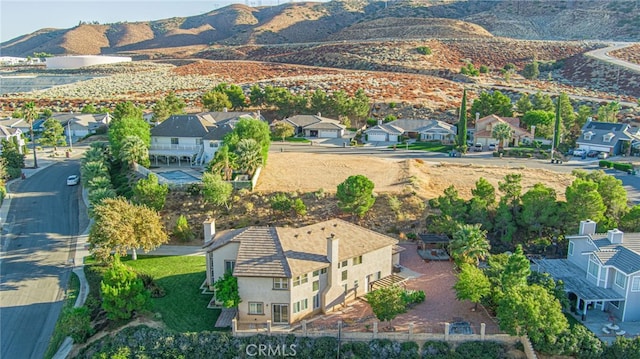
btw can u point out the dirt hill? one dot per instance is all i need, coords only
(345, 21)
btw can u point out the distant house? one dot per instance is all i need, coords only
(316, 126)
(484, 127)
(11, 134)
(193, 138)
(423, 130)
(286, 274)
(601, 271)
(607, 137)
(79, 124)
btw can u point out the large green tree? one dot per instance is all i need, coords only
(170, 105)
(223, 164)
(543, 120)
(523, 105)
(516, 270)
(539, 209)
(583, 202)
(126, 110)
(121, 226)
(53, 134)
(215, 101)
(495, 103)
(485, 191)
(134, 150)
(149, 192)
(128, 126)
(462, 124)
(531, 71)
(248, 128)
(355, 195)
(469, 244)
(452, 212)
(282, 130)
(248, 156)
(542, 102)
(472, 284)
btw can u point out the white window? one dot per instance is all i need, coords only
(343, 264)
(635, 284)
(621, 279)
(570, 250)
(174, 140)
(280, 283)
(256, 308)
(300, 305)
(316, 301)
(229, 265)
(316, 273)
(344, 275)
(357, 260)
(587, 136)
(593, 268)
(301, 279)
(315, 285)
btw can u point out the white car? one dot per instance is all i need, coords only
(73, 180)
(579, 152)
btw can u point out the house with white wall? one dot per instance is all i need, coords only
(602, 271)
(422, 130)
(611, 138)
(316, 126)
(80, 124)
(287, 274)
(193, 138)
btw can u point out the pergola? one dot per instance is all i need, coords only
(575, 282)
(179, 154)
(387, 281)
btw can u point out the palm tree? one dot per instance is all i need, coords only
(469, 244)
(30, 113)
(91, 170)
(95, 153)
(224, 163)
(501, 132)
(249, 157)
(134, 150)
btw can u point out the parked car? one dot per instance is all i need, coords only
(603, 155)
(592, 153)
(492, 147)
(478, 147)
(73, 180)
(578, 152)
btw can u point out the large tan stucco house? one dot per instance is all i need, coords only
(287, 274)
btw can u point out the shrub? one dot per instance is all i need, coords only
(626, 167)
(182, 230)
(509, 67)
(481, 350)
(123, 293)
(389, 118)
(605, 164)
(14, 172)
(392, 105)
(76, 323)
(484, 69)
(424, 50)
(151, 285)
(435, 349)
(372, 122)
(413, 296)
(299, 207)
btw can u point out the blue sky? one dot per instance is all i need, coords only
(20, 17)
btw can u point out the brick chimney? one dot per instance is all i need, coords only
(615, 236)
(209, 229)
(587, 227)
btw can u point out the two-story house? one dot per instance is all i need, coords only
(80, 124)
(483, 133)
(607, 137)
(193, 138)
(601, 270)
(287, 274)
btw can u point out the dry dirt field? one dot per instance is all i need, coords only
(304, 172)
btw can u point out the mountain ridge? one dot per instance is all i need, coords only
(305, 22)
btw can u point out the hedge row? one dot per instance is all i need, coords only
(522, 153)
(145, 342)
(625, 167)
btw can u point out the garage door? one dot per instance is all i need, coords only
(327, 134)
(377, 137)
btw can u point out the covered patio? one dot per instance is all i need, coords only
(167, 155)
(588, 294)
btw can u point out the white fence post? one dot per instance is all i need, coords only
(483, 328)
(375, 330)
(234, 326)
(446, 331)
(304, 327)
(268, 327)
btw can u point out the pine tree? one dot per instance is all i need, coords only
(462, 124)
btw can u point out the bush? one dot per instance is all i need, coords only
(182, 230)
(605, 164)
(481, 350)
(424, 50)
(389, 118)
(413, 296)
(76, 323)
(484, 69)
(372, 122)
(435, 349)
(392, 105)
(14, 172)
(626, 167)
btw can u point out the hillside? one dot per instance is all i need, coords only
(347, 20)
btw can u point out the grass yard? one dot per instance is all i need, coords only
(425, 146)
(184, 307)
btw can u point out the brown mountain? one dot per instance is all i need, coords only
(344, 21)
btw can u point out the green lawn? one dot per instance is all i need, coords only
(275, 140)
(425, 146)
(184, 307)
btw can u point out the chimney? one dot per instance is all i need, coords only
(332, 248)
(615, 236)
(209, 230)
(379, 122)
(587, 227)
(225, 110)
(477, 116)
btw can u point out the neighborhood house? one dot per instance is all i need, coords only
(287, 274)
(316, 126)
(79, 124)
(612, 138)
(423, 130)
(601, 271)
(483, 133)
(193, 138)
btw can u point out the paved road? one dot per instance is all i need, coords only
(37, 245)
(603, 55)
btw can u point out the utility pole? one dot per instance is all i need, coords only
(69, 133)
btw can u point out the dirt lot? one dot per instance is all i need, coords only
(303, 172)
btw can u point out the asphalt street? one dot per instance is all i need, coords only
(38, 247)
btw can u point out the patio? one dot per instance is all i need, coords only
(597, 320)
